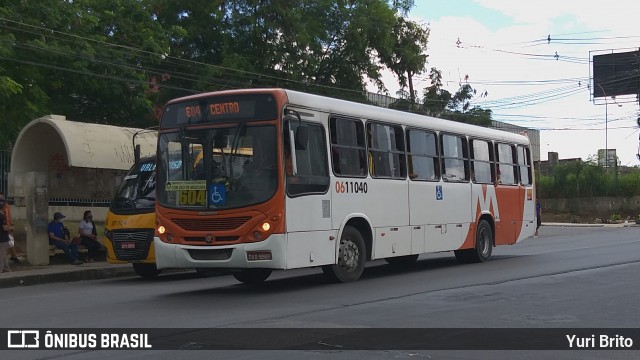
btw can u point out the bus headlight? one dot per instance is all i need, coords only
(161, 230)
(266, 226)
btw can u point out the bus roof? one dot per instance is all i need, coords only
(371, 112)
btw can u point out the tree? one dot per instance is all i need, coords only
(320, 46)
(457, 107)
(406, 57)
(435, 98)
(118, 62)
(86, 59)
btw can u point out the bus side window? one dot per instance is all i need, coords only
(386, 150)
(481, 161)
(455, 155)
(312, 165)
(422, 153)
(506, 164)
(524, 162)
(348, 147)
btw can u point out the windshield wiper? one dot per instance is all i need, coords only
(242, 128)
(126, 200)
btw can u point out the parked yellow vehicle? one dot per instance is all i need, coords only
(130, 222)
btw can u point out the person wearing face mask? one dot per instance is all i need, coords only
(7, 213)
(89, 236)
(61, 240)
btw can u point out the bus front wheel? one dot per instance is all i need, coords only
(252, 276)
(146, 271)
(351, 257)
(484, 246)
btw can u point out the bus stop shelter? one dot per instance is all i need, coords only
(62, 165)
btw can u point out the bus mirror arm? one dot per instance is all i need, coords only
(292, 150)
(302, 132)
(136, 154)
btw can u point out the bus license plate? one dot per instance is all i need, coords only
(128, 245)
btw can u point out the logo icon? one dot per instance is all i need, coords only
(23, 339)
(217, 194)
(209, 238)
(439, 195)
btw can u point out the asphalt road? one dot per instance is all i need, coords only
(566, 278)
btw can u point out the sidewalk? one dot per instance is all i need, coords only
(59, 271)
(27, 275)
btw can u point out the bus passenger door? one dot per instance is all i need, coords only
(507, 194)
(308, 199)
(527, 208)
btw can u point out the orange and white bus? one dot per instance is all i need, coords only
(331, 183)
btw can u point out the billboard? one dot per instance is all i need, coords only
(616, 74)
(608, 160)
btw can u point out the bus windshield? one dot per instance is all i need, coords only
(218, 168)
(137, 192)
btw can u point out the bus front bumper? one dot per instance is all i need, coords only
(228, 257)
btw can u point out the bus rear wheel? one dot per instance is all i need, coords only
(351, 257)
(146, 271)
(252, 276)
(484, 246)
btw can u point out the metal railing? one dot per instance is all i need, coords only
(79, 202)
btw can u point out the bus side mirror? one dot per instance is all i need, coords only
(136, 154)
(302, 137)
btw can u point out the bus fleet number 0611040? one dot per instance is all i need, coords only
(353, 187)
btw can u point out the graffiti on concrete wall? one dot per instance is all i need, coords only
(80, 183)
(58, 164)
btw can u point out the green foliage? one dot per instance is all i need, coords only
(119, 61)
(406, 56)
(587, 179)
(441, 103)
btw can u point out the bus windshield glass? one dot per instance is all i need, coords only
(217, 168)
(137, 192)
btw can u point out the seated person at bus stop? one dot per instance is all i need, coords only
(61, 239)
(89, 236)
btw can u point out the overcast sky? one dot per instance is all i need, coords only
(502, 46)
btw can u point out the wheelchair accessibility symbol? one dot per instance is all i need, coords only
(439, 192)
(217, 194)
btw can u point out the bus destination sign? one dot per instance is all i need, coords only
(215, 109)
(232, 107)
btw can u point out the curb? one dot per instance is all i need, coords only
(572, 225)
(71, 275)
(591, 225)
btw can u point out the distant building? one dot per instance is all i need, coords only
(546, 167)
(608, 160)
